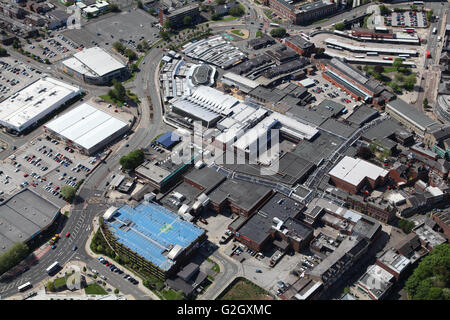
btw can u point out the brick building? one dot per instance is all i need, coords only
(300, 45)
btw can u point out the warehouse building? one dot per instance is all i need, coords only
(24, 217)
(410, 117)
(300, 45)
(275, 222)
(26, 107)
(261, 42)
(352, 81)
(393, 263)
(152, 237)
(353, 175)
(94, 65)
(86, 128)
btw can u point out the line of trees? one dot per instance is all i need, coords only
(122, 49)
(278, 32)
(13, 256)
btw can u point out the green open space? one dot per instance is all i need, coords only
(244, 289)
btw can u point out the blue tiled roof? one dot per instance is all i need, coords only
(151, 231)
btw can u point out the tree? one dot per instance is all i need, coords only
(364, 153)
(130, 54)
(339, 26)
(237, 11)
(164, 35)
(152, 11)
(119, 90)
(398, 63)
(68, 192)
(167, 25)
(431, 279)
(410, 82)
(406, 225)
(429, 15)
(13, 256)
(119, 46)
(425, 103)
(399, 77)
(278, 32)
(221, 1)
(134, 67)
(84, 269)
(132, 160)
(216, 16)
(139, 4)
(114, 7)
(16, 44)
(116, 291)
(50, 286)
(258, 33)
(378, 69)
(187, 20)
(3, 52)
(384, 10)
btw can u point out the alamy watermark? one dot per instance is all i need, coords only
(259, 146)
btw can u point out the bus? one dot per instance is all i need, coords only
(418, 3)
(373, 53)
(359, 57)
(404, 55)
(434, 30)
(52, 267)
(387, 58)
(24, 287)
(338, 48)
(274, 25)
(381, 29)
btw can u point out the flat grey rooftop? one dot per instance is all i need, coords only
(23, 216)
(362, 114)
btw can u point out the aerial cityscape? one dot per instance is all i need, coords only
(258, 150)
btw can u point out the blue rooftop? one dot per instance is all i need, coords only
(168, 139)
(151, 230)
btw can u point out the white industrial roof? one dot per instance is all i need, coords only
(93, 61)
(86, 125)
(353, 170)
(240, 80)
(351, 47)
(307, 82)
(109, 213)
(35, 101)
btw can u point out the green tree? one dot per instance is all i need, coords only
(406, 225)
(114, 7)
(398, 63)
(339, 26)
(84, 269)
(116, 291)
(384, 10)
(132, 160)
(119, 46)
(216, 16)
(221, 1)
(278, 32)
(16, 44)
(399, 77)
(187, 20)
(68, 192)
(167, 25)
(378, 69)
(130, 54)
(164, 35)
(429, 15)
(119, 90)
(258, 33)
(13, 256)
(3, 52)
(237, 11)
(139, 4)
(410, 82)
(431, 279)
(50, 286)
(395, 87)
(425, 103)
